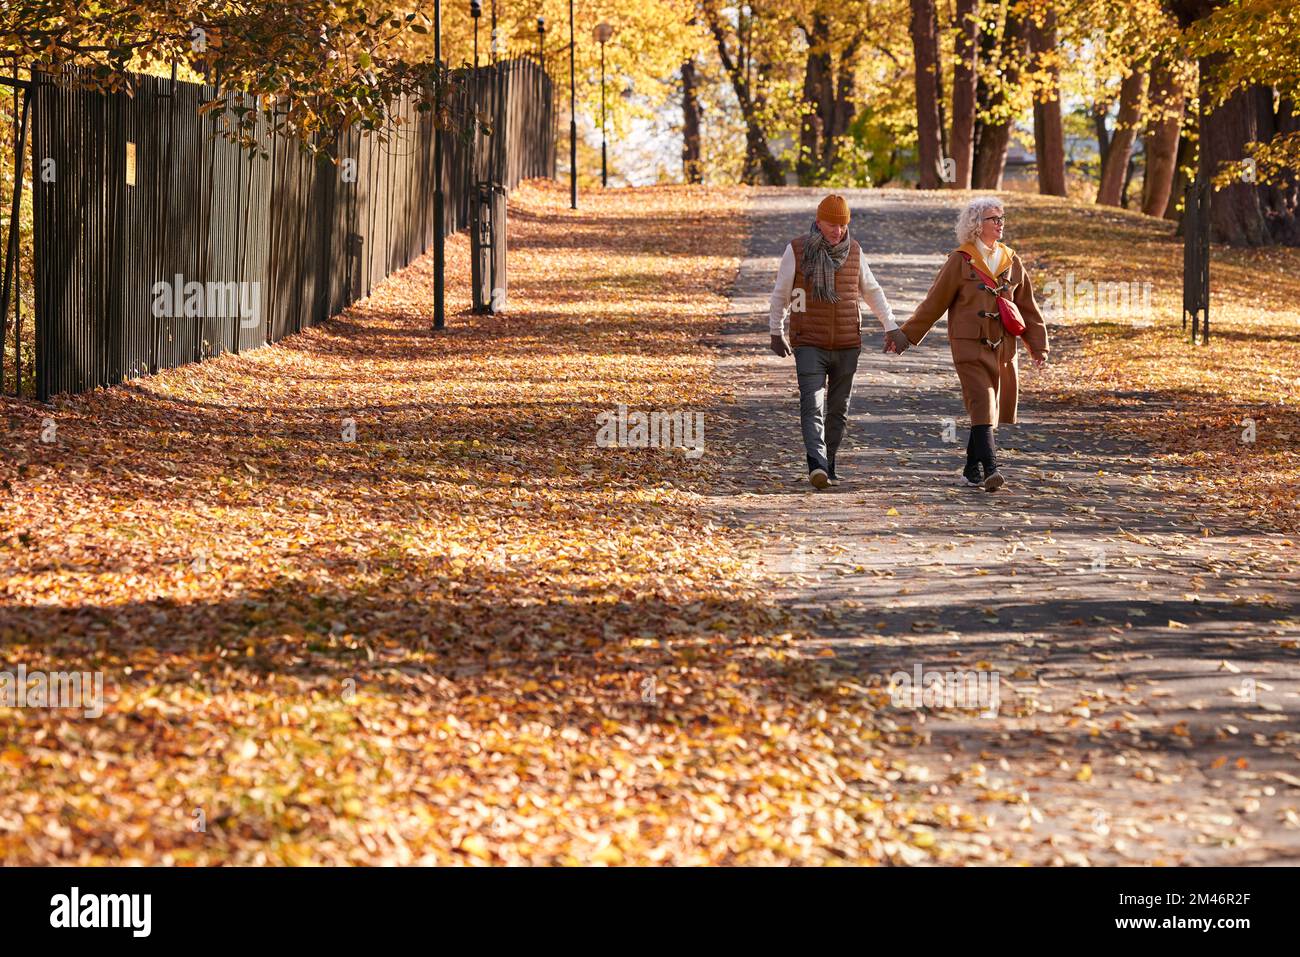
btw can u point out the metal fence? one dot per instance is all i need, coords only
(157, 243)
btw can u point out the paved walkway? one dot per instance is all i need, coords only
(1146, 652)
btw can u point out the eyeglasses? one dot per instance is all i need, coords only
(1000, 220)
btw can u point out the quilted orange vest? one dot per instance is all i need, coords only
(827, 325)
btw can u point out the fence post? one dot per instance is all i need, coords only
(12, 247)
(1196, 259)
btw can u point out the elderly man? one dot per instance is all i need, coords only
(821, 283)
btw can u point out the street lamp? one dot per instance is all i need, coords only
(573, 119)
(475, 11)
(602, 33)
(541, 42)
(439, 252)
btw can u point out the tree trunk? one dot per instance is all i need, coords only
(1103, 135)
(773, 171)
(988, 55)
(1115, 166)
(1282, 200)
(844, 108)
(964, 78)
(1182, 165)
(991, 159)
(925, 53)
(691, 154)
(815, 123)
(758, 154)
(760, 158)
(1161, 141)
(1187, 11)
(827, 101)
(1244, 213)
(991, 150)
(1128, 180)
(1049, 136)
(944, 154)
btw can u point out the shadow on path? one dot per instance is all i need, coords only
(1145, 649)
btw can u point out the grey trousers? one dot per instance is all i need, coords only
(825, 385)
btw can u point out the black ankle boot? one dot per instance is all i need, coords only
(993, 479)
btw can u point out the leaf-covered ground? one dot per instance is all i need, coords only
(1143, 638)
(1224, 418)
(470, 635)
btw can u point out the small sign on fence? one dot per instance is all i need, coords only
(130, 164)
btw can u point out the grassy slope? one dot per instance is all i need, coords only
(1189, 401)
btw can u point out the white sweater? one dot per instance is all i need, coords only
(868, 289)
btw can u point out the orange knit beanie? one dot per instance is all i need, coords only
(834, 209)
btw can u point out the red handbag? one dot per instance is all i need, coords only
(1008, 311)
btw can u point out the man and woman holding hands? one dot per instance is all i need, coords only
(822, 281)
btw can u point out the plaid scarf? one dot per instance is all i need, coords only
(821, 260)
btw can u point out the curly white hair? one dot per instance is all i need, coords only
(970, 219)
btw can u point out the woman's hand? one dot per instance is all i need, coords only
(780, 346)
(896, 342)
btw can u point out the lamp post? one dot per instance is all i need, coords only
(475, 11)
(602, 33)
(439, 253)
(573, 119)
(496, 147)
(541, 42)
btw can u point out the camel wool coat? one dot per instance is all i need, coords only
(983, 352)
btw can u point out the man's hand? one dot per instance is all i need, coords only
(780, 346)
(896, 342)
(1040, 359)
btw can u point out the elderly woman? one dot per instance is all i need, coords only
(977, 273)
